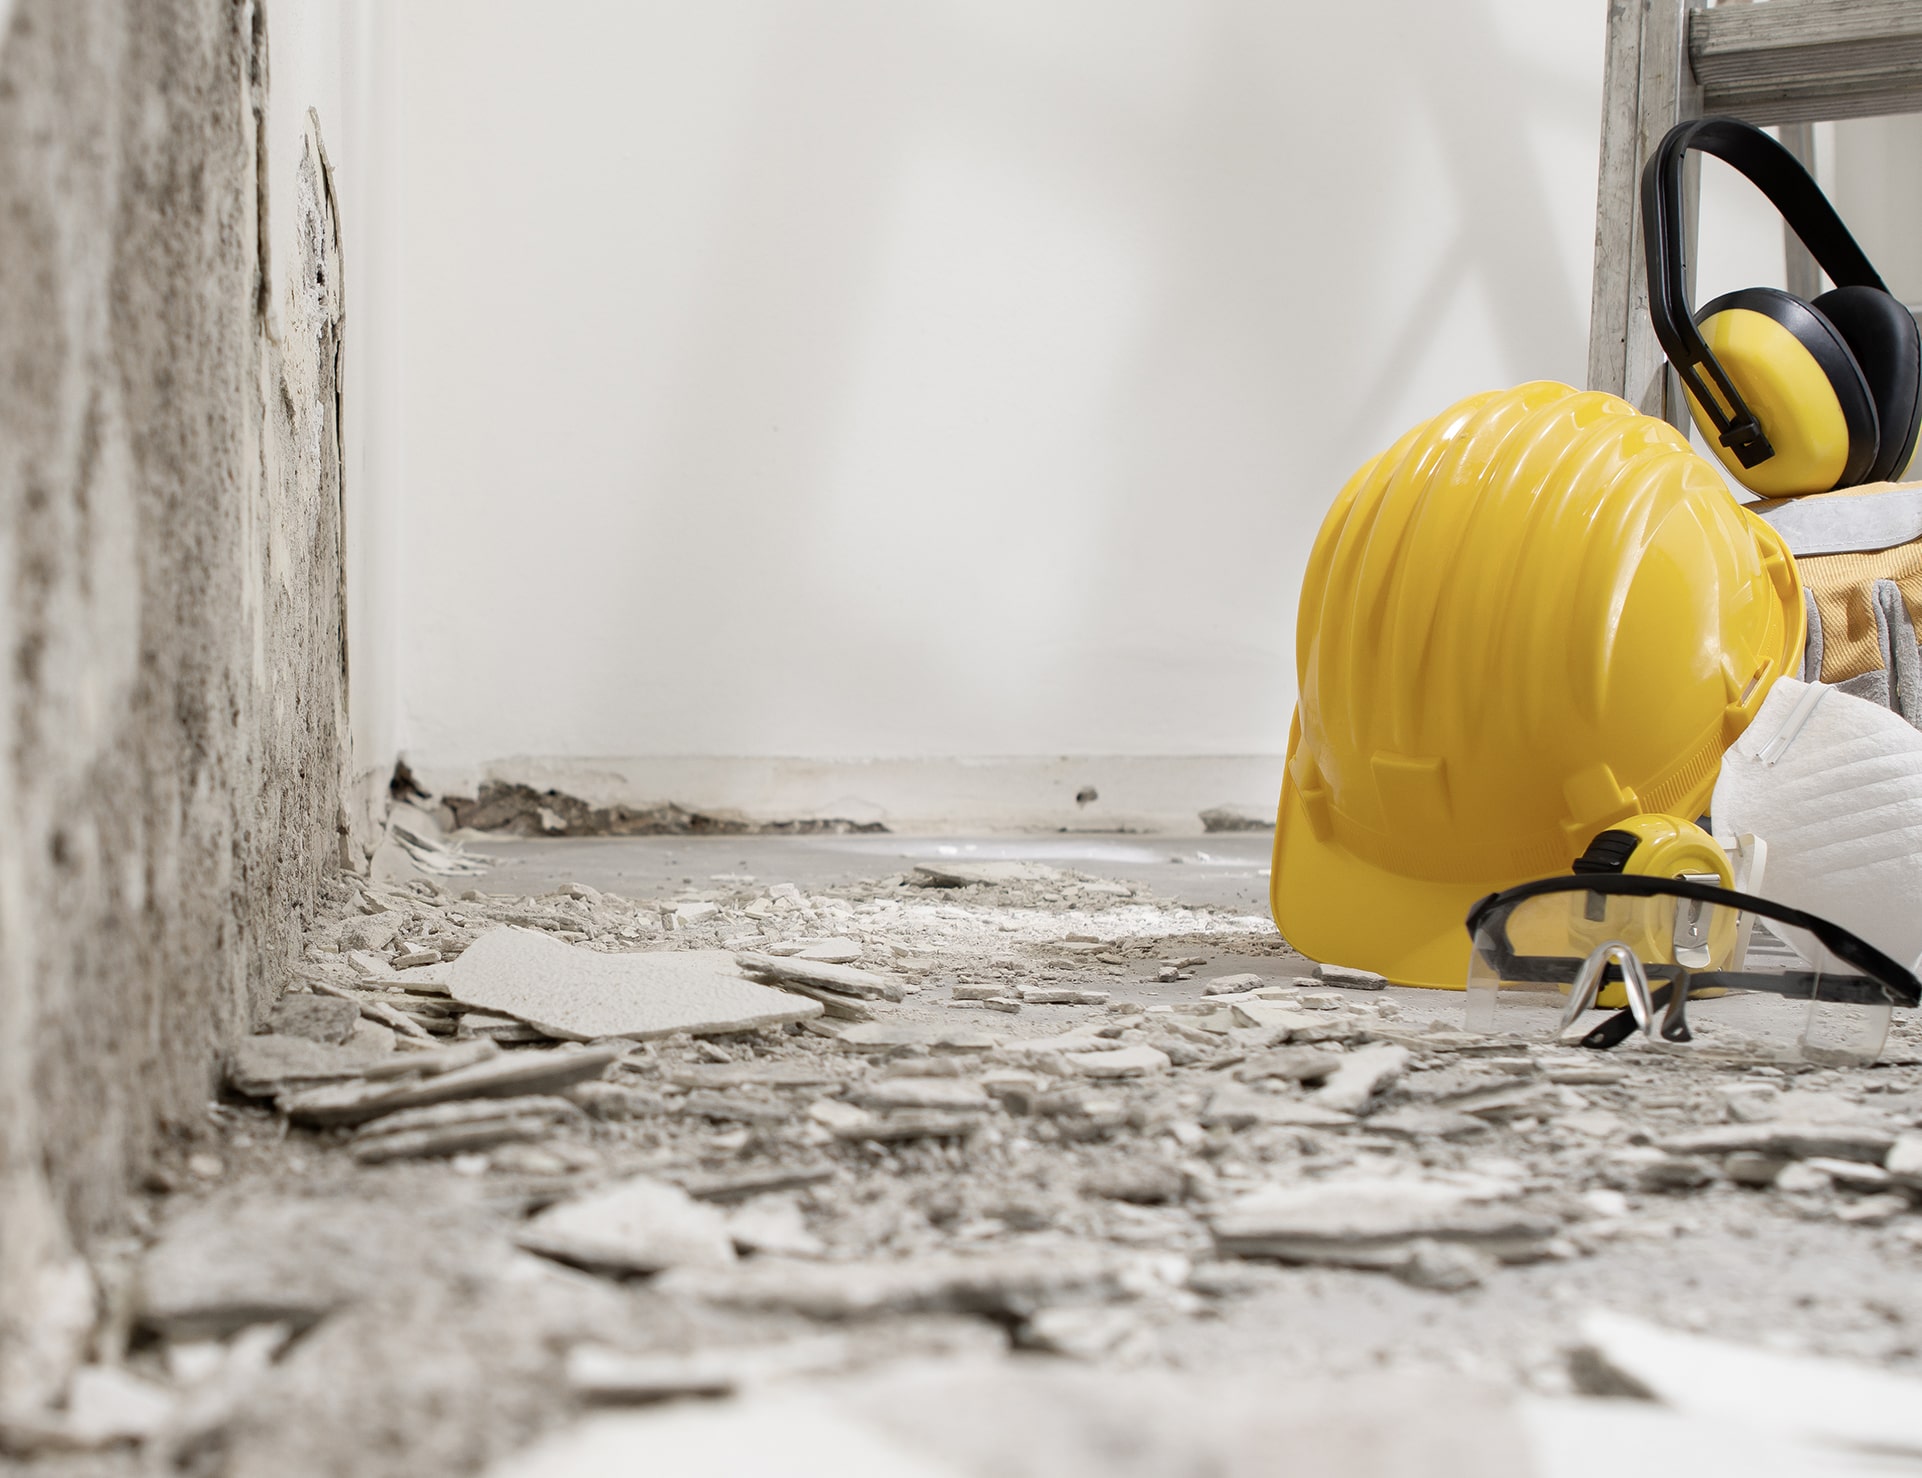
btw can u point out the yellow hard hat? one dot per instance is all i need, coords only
(1531, 618)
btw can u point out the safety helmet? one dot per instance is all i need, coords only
(1531, 618)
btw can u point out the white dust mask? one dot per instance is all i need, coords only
(1833, 785)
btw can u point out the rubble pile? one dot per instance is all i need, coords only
(641, 1149)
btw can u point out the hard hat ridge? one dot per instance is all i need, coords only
(1536, 614)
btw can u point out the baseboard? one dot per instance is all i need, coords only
(1145, 793)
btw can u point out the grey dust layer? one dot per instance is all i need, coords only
(1127, 1170)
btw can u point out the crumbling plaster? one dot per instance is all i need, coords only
(171, 644)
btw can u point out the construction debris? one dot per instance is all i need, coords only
(1095, 1164)
(639, 1226)
(318, 1018)
(1377, 1222)
(999, 1284)
(1345, 978)
(263, 1066)
(459, 1128)
(505, 1076)
(579, 995)
(841, 979)
(1754, 1389)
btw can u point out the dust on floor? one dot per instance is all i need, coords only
(1008, 1118)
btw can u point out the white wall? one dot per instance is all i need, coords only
(958, 378)
(837, 378)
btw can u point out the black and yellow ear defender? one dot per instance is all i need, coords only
(1795, 396)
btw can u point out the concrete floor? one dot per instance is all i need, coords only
(451, 1350)
(1218, 870)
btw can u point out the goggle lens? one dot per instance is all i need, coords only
(1566, 965)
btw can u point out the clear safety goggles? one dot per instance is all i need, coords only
(1594, 958)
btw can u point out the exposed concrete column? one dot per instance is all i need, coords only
(171, 648)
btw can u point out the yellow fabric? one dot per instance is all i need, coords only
(1842, 586)
(1534, 616)
(1791, 396)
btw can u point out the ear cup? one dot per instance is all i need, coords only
(1882, 335)
(1801, 379)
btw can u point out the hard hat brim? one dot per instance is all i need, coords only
(1339, 910)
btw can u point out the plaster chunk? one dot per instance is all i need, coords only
(582, 995)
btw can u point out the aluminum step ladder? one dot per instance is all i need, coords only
(1789, 62)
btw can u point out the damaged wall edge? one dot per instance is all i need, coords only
(930, 795)
(171, 695)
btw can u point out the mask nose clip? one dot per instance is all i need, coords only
(1588, 985)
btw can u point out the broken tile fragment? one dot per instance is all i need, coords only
(1052, 995)
(583, 995)
(837, 951)
(108, 1404)
(1904, 1160)
(608, 1377)
(1749, 1387)
(1445, 1267)
(902, 1124)
(843, 980)
(1418, 1122)
(759, 1074)
(880, 1036)
(1143, 1182)
(1855, 1175)
(1501, 1100)
(734, 1185)
(317, 1018)
(509, 1075)
(1582, 1074)
(1363, 1073)
(1786, 1140)
(640, 1225)
(370, 932)
(835, 1004)
(1873, 1210)
(1747, 1167)
(1240, 1106)
(1078, 1332)
(1290, 1065)
(465, 1127)
(924, 1093)
(1345, 978)
(839, 1117)
(617, 1102)
(968, 874)
(1125, 1062)
(261, 1067)
(773, 1226)
(736, 1108)
(1372, 1222)
(496, 1028)
(1275, 1016)
(431, 1062)
(998, 1283)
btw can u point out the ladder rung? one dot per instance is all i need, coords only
(1796, 61)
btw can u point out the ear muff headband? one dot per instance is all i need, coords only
(1797, 198)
